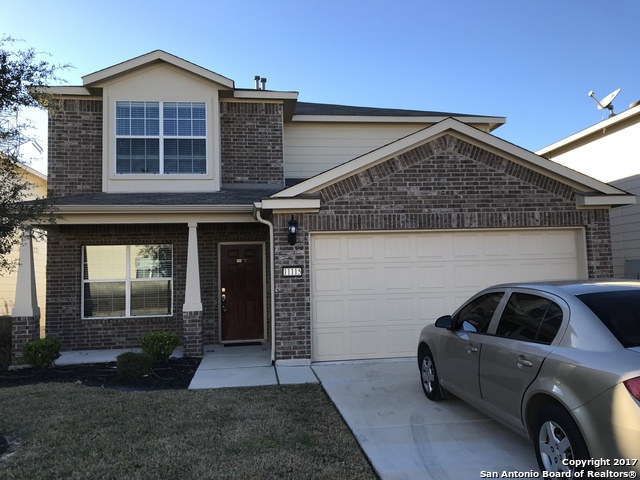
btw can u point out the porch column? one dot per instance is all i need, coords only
(192, 342)
(25, 324)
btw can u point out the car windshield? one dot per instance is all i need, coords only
(619, 311)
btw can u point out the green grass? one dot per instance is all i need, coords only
(76, 432)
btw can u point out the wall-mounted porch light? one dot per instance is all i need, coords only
(293, 230)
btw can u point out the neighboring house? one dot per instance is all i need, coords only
(610, 151)
(179, 191)
(8, 280)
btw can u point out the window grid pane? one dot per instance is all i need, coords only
(182, 154)
(126, 281)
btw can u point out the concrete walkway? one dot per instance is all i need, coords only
(246, 366)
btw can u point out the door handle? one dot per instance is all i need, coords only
(471, 348)
(223, 298)
(522, 362)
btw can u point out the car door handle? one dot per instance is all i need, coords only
(522, 362)
(471, 348)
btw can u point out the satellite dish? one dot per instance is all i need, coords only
(606, 102)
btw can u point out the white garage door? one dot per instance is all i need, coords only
(373, 292)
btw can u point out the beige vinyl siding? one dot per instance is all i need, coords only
(8, 280)
(625, 228)
(312, 148)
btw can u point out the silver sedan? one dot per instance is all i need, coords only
(557, 362)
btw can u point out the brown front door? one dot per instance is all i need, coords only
(241, 292)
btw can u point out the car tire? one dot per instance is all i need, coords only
(429, 376)
(556, 437)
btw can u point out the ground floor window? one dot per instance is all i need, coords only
(127, 280)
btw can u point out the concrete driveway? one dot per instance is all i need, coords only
(406, 436)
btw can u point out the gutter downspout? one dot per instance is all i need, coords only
(272, 275)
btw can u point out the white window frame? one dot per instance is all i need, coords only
(128, 281)
(161, 138)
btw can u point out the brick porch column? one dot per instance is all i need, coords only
(25, 324)
(192, 342)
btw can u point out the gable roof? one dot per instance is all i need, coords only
(157, 56)
(589, 191)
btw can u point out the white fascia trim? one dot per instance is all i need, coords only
(492, 121)
(604, 201)
(138, 218)
(311, 205)
(450, 124)
(68, 90)
(133, 209)
(597, 128)
(157, 55)
(264, 95)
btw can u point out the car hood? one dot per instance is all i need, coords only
(634, 349)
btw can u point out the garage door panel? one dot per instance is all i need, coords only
(328, 280)
(361, 278)
(329, 313)
(400, 247)
(398, 278)
(373, 292)
(430, 247)
(362, 311)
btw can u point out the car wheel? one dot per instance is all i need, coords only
(429, 376)
(557, 438)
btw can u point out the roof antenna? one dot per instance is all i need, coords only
(606, 102)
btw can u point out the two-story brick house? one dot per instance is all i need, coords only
(178, 192)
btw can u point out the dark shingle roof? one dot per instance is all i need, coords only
(305, 108)
(227, 196)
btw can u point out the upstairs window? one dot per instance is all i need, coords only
(161, 137)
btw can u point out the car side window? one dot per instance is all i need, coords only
(476, 316)
(530, 318)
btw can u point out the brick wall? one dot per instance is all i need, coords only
(64, 280)
(444, 184)
(252, 150)
(75, 147)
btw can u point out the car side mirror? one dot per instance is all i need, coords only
(444, 322)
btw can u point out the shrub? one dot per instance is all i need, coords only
(5, 342)
(41, 353)
(160, 345)
(132, 365)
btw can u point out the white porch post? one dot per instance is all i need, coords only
(192, 341)
(25, 324)
(192, 299)
(26, 301)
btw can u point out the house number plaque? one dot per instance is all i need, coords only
(291, 271)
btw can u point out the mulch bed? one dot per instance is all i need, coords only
(176, 373)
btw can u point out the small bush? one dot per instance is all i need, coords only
(42, 353)
(160, 345)
(133, 365)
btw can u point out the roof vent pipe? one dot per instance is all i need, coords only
(257, 80)
(264, 82)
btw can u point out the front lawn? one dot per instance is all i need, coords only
(73, 431)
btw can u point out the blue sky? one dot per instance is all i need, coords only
(533, 62)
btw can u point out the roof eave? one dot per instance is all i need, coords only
(582, 136)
